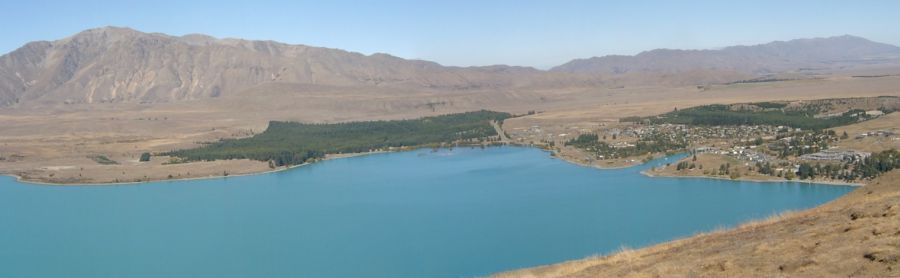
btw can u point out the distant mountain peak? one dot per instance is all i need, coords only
(199, 39)
(119, 64)
(776, 56)
(108, 31)
(116, 64)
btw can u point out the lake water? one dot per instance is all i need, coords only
(452, 213)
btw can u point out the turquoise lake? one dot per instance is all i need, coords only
(451, 213)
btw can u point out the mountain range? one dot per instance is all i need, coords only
(111, 65)
(771, 58)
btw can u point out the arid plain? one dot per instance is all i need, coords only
(54, 144)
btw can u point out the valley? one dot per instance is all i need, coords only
(62, 137)
(116, 106)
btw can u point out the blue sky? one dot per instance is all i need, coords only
(463, 33)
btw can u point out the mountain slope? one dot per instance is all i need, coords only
(119, 64)
(774, 57)
(113, 65)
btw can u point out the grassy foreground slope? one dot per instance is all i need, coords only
(291, 143)
(857, 235)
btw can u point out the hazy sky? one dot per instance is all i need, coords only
(463, 33)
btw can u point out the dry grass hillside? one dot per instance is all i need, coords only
(857, 235)
(889, 123)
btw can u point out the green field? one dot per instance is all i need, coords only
(291, 143)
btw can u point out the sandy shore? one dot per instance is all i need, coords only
(279, 169)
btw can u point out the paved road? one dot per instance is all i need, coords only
(499, 130)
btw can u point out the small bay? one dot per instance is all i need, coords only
(459, 212)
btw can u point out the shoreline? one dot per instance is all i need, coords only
(597, 166)
(834, 183)
(563, 158)
(349, 155)
(327, 157)
(648, 174)
(333, 157)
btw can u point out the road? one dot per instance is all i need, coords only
(499, 130)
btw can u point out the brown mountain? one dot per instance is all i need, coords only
(123, 65)
(763, 59)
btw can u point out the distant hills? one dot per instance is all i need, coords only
(770, 58)
(123, 65)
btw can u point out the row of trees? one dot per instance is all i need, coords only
(684, 165)
(868, 168)
(803, 142)
(843, 171)
(718, 114)
(655, 142)
(291, 143)
(876, 164)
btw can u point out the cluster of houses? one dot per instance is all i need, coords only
(699, 134)
(877, 133)
(836, 155)
(739, 152)
(533, 133)
(718, 132)
(674, 131)
(749, 154)
(870, 113)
